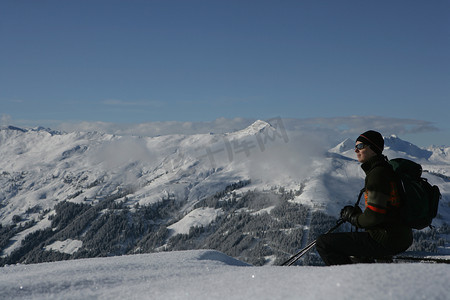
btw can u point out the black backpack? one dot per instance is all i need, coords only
(419, 199)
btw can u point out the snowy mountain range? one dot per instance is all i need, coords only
(86, 194)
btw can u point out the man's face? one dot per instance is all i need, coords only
(363, 152)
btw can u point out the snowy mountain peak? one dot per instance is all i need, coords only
(344, 146)
(13, 128)
(394, 143)
(257, 127)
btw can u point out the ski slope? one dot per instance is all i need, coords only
(207, 274)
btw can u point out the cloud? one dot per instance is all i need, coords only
(349, 127)
(330, 130)
(340, 125)
(122, 103)
(220, 125)
(18, 101)
(293, 159)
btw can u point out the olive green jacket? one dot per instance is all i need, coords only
(381, 214)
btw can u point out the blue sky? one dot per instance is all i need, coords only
(199, 61)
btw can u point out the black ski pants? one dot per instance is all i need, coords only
(336, 248)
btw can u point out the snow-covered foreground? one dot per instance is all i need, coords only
(207, 274)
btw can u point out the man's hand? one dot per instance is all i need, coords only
(350, 214)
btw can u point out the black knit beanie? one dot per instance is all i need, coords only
(373, 139)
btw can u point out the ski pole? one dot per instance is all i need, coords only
(299, 254)
(303, 251)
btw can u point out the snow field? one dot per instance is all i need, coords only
(208, 274)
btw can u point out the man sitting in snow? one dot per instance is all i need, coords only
(384, 234)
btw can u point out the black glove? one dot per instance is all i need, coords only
(350, 214)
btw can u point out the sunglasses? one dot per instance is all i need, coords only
(360, 146)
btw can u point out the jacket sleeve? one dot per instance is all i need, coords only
(375, 211)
